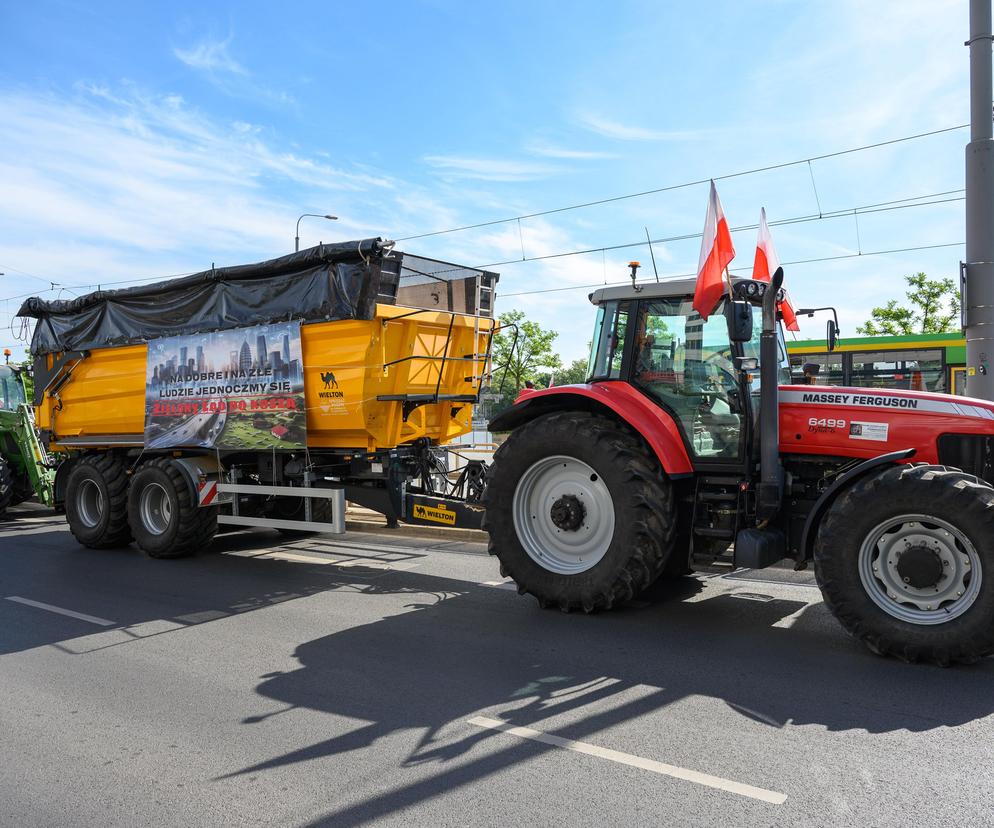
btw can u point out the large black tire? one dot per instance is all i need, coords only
(7, 492)
(641, 495)
(962, 504)
(97, 501)
(165, 519)
(293, 509)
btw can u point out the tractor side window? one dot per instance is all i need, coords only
(609, 341)
(686, 364)
(11, 391)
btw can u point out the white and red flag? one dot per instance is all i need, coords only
(765, 265)
(716, 253)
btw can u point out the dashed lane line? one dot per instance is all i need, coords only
(82, 616)
(629, 759)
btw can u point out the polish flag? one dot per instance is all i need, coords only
(716, 253)
(766, 263)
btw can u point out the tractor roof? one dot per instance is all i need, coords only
(667, 288)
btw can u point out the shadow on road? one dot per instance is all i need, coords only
(472, 648)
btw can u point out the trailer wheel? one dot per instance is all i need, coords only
(7, 493)
(97, 501)
(293, 509)
(163, 512)
(905, 562)
(579, 512)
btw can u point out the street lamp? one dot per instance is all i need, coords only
(296, 240)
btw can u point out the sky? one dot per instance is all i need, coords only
(144, 140)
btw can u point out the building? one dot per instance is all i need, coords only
(245, 357)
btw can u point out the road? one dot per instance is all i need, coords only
(393, 680)
(197, 430)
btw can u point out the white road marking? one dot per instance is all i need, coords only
(501, 584)
(633, 761)
(82, 616)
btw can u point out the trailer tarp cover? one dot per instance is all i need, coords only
(330, 281)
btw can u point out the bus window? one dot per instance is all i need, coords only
(917, 370)
(829, 368)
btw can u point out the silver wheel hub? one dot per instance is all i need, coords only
(563, 515)
(920, 569)
(90, 503)
(155, 509)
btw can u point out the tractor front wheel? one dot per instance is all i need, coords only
(905, 562)
(579, 511)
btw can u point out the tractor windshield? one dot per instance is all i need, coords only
(11, 389)
(686, 364)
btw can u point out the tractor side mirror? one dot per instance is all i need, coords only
(739, 318)
(832, 335)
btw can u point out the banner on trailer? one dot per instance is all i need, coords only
(234, 390)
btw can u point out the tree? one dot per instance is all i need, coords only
(531, 353)
(572, 374)
(933, 307)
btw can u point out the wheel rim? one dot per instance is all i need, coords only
(563, 515)
(155, 508)
(920, 569)
(89, 503)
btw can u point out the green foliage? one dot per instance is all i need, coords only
(532, 354)
(572, 374)
(933, 306)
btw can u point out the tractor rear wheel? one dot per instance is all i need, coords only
(905, 562)
(579, 512)
(7, 492)
(97, 501)
(165, 518)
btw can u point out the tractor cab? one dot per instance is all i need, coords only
(11, 389)
(704, 373)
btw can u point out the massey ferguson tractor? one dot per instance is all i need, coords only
(687, 446)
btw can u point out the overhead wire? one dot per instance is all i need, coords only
(685, 184)
(737, 269)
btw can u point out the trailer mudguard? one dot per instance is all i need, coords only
(613, 398)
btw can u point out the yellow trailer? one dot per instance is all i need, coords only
(265, 395)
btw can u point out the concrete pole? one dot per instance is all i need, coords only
(979, 282)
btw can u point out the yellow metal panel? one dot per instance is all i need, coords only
(346, 367)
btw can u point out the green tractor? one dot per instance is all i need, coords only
(25, 469)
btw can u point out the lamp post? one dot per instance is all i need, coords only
(296, 239)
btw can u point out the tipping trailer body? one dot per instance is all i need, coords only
(103, 404)
(349, 365)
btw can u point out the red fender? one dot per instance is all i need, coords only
(645, 418)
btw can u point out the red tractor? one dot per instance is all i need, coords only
(688, 446)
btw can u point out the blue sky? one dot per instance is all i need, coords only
(145, 140)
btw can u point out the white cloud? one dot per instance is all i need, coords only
(489, 169)
(115, 184)
(631, 132)
(550, 151)
(211, 56)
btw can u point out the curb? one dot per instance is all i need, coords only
(408, 530)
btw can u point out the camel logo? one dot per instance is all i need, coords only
(329, 380)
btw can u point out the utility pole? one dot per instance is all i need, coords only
(978, 280)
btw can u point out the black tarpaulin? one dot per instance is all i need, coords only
(330, 281)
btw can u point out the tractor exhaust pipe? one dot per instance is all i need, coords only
(770, 469)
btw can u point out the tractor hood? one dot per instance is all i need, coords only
(867, 422)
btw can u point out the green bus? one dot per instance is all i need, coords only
(922, 362)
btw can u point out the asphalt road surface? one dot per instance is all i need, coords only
(397, 681)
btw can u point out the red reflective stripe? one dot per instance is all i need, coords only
(207, 491)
